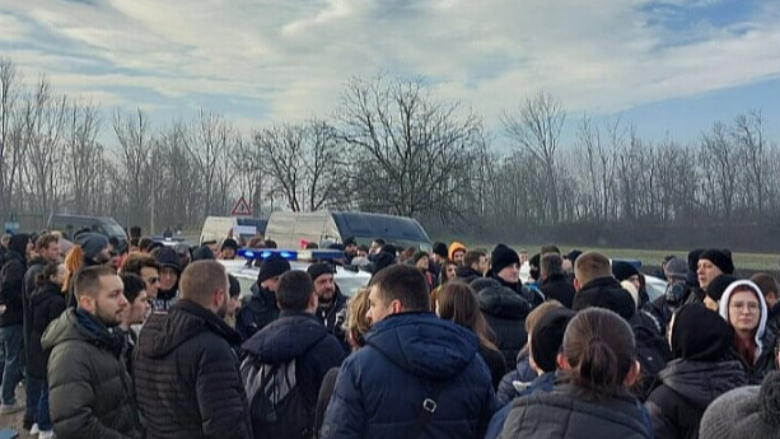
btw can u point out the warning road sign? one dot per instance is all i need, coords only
(241, 208)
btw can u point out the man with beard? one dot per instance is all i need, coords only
(185, 366)
(90, 391)
(332, 308)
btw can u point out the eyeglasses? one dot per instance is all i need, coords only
(751, 306)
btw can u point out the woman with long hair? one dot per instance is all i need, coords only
(47, 303)
(458, 303)
(598, 363)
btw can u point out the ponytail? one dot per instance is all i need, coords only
(48, 271)
(600, 349)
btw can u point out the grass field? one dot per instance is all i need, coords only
(747, 261)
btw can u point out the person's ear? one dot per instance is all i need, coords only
(86, 303)
(633, 374)
(577, 285)
(562, 362)
(396, 306)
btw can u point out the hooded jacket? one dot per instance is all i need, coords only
(187, 378)
(47, 303)
(12, 281)
(505, 313)
(562, 414)
(257, 311)
(298, 336)
(558, 287)
(381, 387)
(765, 341)
(90, 391)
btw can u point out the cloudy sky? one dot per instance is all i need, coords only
(674, 65)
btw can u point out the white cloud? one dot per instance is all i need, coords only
(602, 56)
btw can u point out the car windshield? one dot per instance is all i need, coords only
(113, 230)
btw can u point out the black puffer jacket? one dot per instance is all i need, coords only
(561, 414)
(467, 274)
(558, 287)
(90, 391)
(299, 336)
(12, 288)
(334, 317)
(687, 388)
(257, 311)
(47, 303)
(505, 312)
(187, 378)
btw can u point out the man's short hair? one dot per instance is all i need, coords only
(550, 248)
(551, 264)
(472, 257)
(87, 281)
(201, 279)
(590, 266)
(45, 240)
(136, 262)
(380, 242)
(767, 283)
(294, 290)
(134, 284)
(144, 244)
(403, 283)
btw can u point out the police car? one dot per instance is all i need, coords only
(349, 279)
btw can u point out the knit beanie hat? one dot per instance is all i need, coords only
(167, 257)
(454, 248)
(747, 412)
(720, 258)
(319, 269)
(676, 269)
(91, 243)
(18, 243)
(547, 337)
(503, 257)
(718, 286)
(440, 249)
(272, 267)
(623, 270)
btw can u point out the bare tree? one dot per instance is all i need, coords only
(536, 128)
(410, 151)
(85, 158)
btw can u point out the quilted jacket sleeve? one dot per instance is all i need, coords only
(345, 416)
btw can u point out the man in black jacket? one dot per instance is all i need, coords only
(332, 308)
(185, 364)
(475, 264)
(11, 320)
(259, 309)
(296, 337)
(555, 285)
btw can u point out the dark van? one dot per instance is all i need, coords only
(70, 224)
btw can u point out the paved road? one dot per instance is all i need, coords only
(15, 421)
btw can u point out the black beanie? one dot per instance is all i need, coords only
(319, 269)
(230, 243)
(503, 257)
(547, 337)
(272, 267)
(235, 287)
(440, 249)
(699, 334)
(721, 259)
(18, 243)
(693, 259)
(167, 257)
(623, 270)
(616, 300)
(91, 244)
(718, 286)
(203, 253)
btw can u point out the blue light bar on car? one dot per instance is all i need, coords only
(291, 255)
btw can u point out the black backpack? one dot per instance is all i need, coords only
(276, 402)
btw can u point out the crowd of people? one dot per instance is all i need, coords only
(152, 341)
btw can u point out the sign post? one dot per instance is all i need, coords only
(241, 208)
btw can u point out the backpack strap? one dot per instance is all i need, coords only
(429, 406)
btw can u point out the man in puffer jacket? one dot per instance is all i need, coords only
(411, 362)
(505, 313)
(186, 367)
(90, 391)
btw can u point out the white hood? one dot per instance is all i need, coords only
(724, 309)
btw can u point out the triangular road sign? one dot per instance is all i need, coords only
(241, 208)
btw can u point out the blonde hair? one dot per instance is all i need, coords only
(357, 324)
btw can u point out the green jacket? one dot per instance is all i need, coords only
(90, 391)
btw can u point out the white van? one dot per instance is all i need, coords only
(217, 229)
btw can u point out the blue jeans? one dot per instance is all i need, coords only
(44, 421)
(11, 340)
(33, 388)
